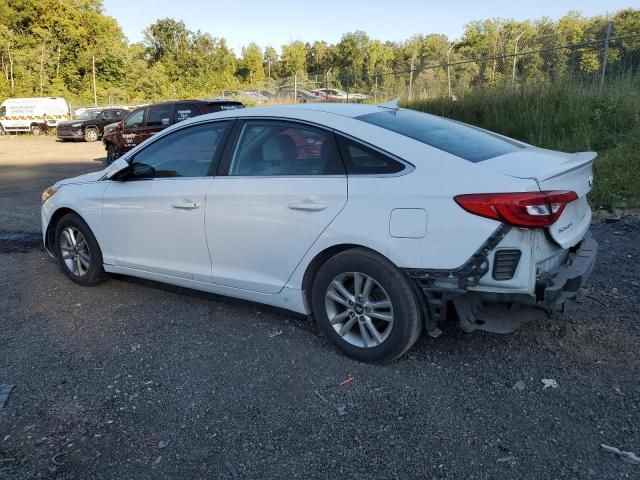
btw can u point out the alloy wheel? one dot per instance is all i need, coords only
(75, 251)
(359, 309)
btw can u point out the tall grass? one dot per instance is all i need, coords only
(568, 116)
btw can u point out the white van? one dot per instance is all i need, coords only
(33, 115)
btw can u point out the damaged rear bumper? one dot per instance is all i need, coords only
(500, 312)
(561, 284)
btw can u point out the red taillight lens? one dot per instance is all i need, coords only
(526, 209)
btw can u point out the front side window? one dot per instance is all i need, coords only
(135, 120)
(184, 153)
(272, 148)
(159, 116)
(456, 138)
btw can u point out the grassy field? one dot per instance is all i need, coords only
(565, 116)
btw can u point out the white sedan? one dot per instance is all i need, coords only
(378, 222)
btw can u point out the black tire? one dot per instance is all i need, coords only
(91, 135)
(2, 132)
(95, 273)
(112, 153)
(407, 318)
(36, 130)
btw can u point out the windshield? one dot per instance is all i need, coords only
(89, 115)
(462, 140)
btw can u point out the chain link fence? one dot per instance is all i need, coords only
(510, 62)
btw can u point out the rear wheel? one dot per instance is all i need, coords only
(366, 306)
(78, 252)
(36, 130)
(2, 132)
(112, 153)
(91, 135)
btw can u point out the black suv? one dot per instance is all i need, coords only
(90, 124)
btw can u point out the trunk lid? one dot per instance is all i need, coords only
(555, 171)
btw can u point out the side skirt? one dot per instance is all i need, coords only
(287, 298)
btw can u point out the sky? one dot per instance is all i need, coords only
(277, 22)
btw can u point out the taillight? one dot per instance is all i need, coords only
(526, 209)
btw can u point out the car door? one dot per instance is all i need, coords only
(157, 118)
(280, 186)
(154, 220)
(132, 126)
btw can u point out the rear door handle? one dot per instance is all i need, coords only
(308, 205)
(186, 205)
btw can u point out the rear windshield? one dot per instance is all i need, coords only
(459, 139)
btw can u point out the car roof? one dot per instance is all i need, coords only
(350, 110)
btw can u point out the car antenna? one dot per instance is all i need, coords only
(391, 105)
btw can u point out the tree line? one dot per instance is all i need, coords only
(54, 47)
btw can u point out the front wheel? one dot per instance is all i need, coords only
(366, 306)
(112, 153)
(91, 135)
(78, 252)
(36, 130)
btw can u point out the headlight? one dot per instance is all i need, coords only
(48, 193)
(76, 125)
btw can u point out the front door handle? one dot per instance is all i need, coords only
(186, 205)
(308, 205)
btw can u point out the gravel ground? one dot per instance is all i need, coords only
(132, 379)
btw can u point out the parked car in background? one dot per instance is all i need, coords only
(331, 94)
(300, 95)
(144, 122)
(389, 223)
(337, 95)
(34, 115)
(89, 125)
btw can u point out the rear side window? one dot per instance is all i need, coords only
(362, 160)
(3, 111)
(220, 107)
(273, 148)
(159, 116)
(459, 139)
(184, 111)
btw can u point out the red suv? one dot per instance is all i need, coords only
(143, 122)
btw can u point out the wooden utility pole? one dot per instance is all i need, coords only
(515, 56)
(449, 68)
(95, 94)
(605, 55)
(411, 77)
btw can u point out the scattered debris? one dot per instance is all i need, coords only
(135, 347)
(604, 304)
(275, 333)
(628, 457)
(56, 457)
(319, 395)
(549, 383)
(347, 380)
(158, 458)
(163, 444)
(614, 292)
(519, 385)
(232, 471)
(507, 459)
(342, 410)
(5, 391)
(7, 460)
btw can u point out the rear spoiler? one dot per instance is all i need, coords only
(574, 161)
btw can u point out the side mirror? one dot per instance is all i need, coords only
(119, 126)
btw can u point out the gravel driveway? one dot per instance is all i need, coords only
(133, 379)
